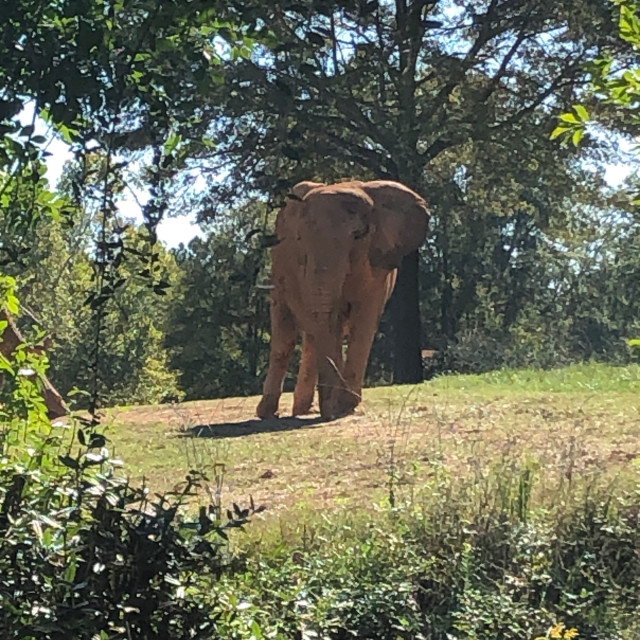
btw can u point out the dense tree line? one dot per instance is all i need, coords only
(219, 108)
(575, 294)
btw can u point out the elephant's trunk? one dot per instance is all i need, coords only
(330, 377)
(324, 295)
(323, 303)
(330, 364)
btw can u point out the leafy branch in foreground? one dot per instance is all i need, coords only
(84, 552)
(613, 80)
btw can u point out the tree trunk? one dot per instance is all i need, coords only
(405, 323)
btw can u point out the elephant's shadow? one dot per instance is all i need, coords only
(252, 427)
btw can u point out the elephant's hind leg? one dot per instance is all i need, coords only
(284, 336)
(307, 378)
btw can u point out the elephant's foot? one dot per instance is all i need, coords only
(342, 402)
(268, 406)
(301, 406)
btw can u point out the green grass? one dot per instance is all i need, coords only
(576, 378)
(572, 425)
(502, 505)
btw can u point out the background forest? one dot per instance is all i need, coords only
(218, 109)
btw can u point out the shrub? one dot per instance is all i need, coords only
(474, 563)
(83, 552)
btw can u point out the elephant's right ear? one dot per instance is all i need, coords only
(300, 190)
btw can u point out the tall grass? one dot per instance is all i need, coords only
(465, 561)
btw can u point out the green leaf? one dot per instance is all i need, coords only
(172, 142)
(68, 461)
(164, 44)
(97, 441)
(558, 131)
(577, 136)
(568, 117)
(583, 114)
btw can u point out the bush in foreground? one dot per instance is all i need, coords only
(470, 564)
(83, 552)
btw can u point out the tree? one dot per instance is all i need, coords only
(54, 279)
(614, 82)
(409, 91)
(218, 335)
(91, 69)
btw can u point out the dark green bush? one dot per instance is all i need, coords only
(83, 552)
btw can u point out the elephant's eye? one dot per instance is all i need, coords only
(361, 233)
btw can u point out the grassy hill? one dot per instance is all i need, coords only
(577, 424)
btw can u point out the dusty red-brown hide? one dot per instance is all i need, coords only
(10, 339)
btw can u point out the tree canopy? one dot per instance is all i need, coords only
(218, 108)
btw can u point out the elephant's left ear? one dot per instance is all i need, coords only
(401, 220)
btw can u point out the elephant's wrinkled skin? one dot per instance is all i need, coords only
(10, 339)
(334, 269)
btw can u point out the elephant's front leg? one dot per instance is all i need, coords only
(307, 377)
(363, 324)
(331, 382)
(284, 336)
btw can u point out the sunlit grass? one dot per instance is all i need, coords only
(579, 423)
(572, 379)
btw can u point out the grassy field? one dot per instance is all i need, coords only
(577, 424)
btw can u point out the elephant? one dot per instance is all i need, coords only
(10, 340)
(334, 267)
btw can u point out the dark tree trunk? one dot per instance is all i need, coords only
(405, 323)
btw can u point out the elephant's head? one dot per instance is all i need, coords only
(392, 217)
(336, 225)
(399, 221)
(333, 219)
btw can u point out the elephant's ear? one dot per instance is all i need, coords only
(401, 218)
(300, 190)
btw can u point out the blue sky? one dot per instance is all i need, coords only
(172, 231)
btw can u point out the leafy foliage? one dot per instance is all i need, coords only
(56, 275)
(84, 552)
(218, 336)
(476, 561)
(615, 81)
(449, 102)
(90, 70)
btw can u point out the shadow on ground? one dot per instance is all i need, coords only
(252, 427)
